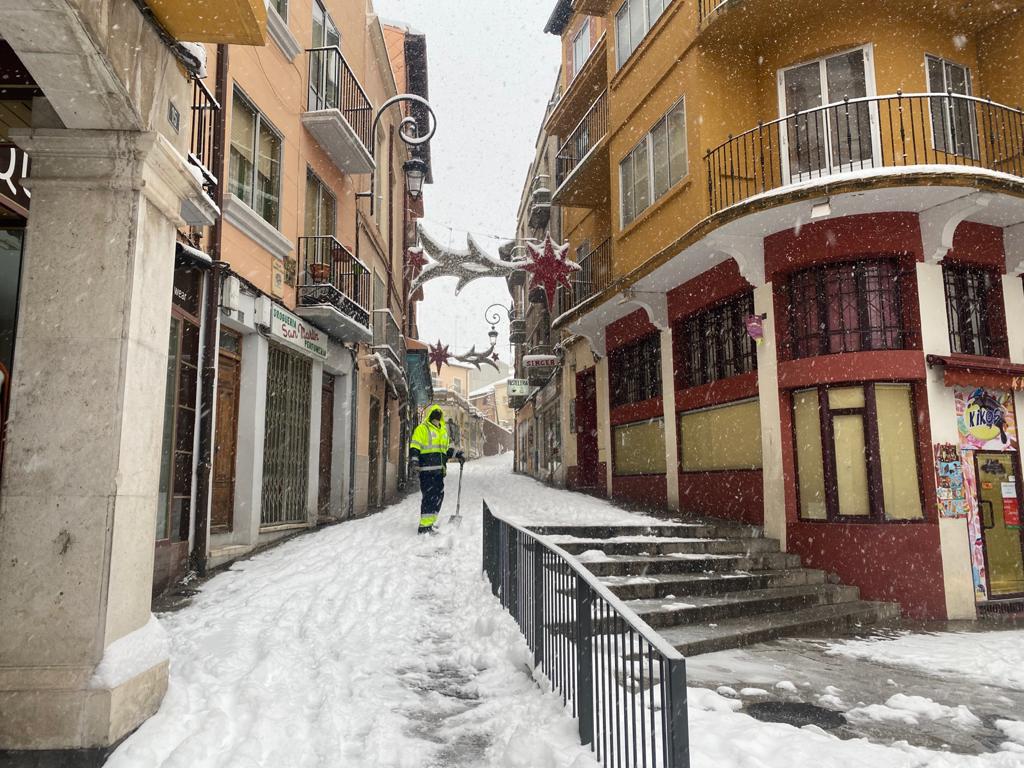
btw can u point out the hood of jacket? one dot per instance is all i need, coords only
(430, 412)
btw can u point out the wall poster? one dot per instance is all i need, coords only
(950, 488)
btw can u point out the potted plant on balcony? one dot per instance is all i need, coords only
(320, 273)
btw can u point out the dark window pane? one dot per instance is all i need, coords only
(717, 343)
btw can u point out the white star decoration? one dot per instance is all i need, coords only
(467, 265)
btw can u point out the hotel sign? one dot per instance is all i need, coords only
(295, 333)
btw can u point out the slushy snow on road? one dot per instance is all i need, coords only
(364, 645)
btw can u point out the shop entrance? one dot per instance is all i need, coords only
(586, 430)
(999, 499)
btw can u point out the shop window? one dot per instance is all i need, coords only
(974, 311)
(717, 344)
(639, 448)
(727, 437)
(255, 160)
(655, 165)
(850, 307)
(635, 371)
(286, 446)
(856, 453)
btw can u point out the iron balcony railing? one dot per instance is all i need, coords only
(708, 7)
(387, 335)
(860, 135)
(204, 113)
(591, 129)
(626, 685)
(593, 276)
(333, 85)
(330, 274)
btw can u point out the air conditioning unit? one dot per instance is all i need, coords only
(231, 294)
(263, 306)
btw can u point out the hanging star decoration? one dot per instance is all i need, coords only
(438, 355)
(415, 261)
(467, 265)
(477, 359)
(549, 268)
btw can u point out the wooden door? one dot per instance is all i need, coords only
(326, 446)
(373, 481)
(586, 430)
(225, 443)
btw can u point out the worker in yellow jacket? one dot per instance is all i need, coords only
(429, 451)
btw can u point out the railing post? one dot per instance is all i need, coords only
(585, 660)
(538, 603)
(513, 572)
(490, 549)
(678, 731)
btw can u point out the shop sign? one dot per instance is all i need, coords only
(295, 333)
(985, 419)
(518, 388)
(14, 168)
(950, 489)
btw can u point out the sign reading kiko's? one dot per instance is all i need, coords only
(986, 419)
(295, 333)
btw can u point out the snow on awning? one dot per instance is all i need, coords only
(188, 253)
(974, 371)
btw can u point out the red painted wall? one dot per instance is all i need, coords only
(647, 491)
(732, 495)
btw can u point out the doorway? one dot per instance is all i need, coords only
(225, 448)
(326, 446)
(586, 430)
(999, 501)
(373, 481)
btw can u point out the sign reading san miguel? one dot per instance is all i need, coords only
(13, 168)
(286, 326)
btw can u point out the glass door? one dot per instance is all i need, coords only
(999, 507)
(326, 64)
(824, 133)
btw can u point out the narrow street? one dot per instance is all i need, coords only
(365, 645)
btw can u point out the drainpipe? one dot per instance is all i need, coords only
(353, 429)
(210, 332)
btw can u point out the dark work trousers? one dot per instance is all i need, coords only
(432, 490)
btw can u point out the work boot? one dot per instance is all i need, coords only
(432, 529)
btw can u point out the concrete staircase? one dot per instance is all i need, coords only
(709, 585)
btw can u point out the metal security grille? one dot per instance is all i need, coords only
(717, 343)
(972, 306)
(850, 307)
(286, 445)
(635, 371)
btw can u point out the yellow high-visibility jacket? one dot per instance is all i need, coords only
(429, 444)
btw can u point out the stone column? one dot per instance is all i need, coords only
(668, 394)
(79, 494)
(954, 539)
(773, 480)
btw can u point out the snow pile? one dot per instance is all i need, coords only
(910, 710)
(994, 658)
(132, 655)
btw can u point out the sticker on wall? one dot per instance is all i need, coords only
(985, 419)
(950, 489)
(1011, 513)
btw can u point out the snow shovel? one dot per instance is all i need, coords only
(456, 519)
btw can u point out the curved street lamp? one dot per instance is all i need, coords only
(412, 134)
(493, 316)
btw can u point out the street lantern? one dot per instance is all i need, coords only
(415, 174)
(493, 336)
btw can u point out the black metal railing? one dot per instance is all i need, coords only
(626, 685)
(333, 85)
(707, 7)
(387, 335)
(204, 113)
(330, 274)
(858, 135)
(591, 129)
(593, 276)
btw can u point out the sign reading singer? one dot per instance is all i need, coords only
(290, 329)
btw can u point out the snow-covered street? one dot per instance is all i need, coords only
(366, 645)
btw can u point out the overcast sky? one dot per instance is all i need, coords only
(492, 71)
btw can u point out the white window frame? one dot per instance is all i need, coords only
(620, 59)
(648, 138)
(871, 92)
(975, 150)
(577, 60)
(261, 119)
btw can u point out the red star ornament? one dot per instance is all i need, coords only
(549, 267)
(415, 260)
(438, 355)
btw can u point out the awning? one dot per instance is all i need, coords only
(975, 371)
(194, 255)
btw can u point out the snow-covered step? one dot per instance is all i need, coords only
(623, 565)
(666, 612)
(690, 530)
(685, 584)
(693, 639)
(663, 545)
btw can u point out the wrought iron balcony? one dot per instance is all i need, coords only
(707, 7)
(338, 111)
(204, 114)
(540, 202)
(931, 132)
(387, 336)
(593, 276)
(581, 144)
(333, 288)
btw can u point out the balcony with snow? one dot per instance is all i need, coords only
(338, 113)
